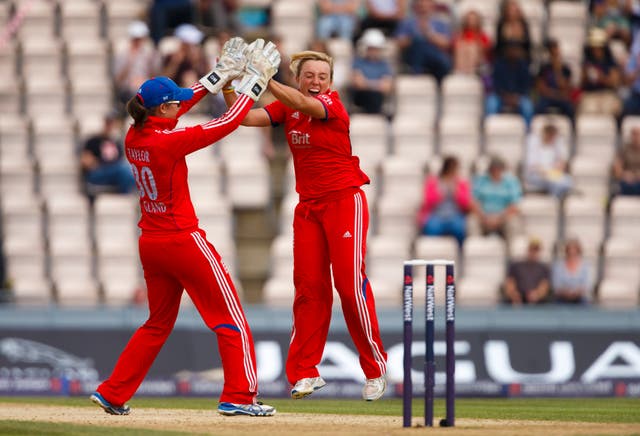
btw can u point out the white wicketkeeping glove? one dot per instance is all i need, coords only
(262, 63)
(231, 64)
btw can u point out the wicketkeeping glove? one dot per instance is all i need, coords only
(262, 63)
(231, 64)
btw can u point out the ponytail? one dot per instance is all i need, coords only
(138, 112)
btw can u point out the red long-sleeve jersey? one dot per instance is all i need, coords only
(157, 155)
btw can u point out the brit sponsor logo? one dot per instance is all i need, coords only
(299, 138)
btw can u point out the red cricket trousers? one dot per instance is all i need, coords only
(173, 263)
(330, 235)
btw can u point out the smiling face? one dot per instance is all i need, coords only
(314, 77)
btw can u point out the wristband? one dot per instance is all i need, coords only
(228, 90)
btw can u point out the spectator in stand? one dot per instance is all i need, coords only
(496, 194)
(425, 40)
(545, 165)
(512, 29)
(471, 46)
(626, 166)
(447, 200)
(337, 18)
(527, 280)
(168, 14)
(102, 160)
(610, 16)
(189, 62)
(135, 62)
(213, 16)
(600, 77)
(384, 15)
(511, 85)
(571, 277)
(632, 79)
(553, 84)
(371, 76)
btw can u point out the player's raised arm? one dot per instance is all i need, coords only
(296, 100)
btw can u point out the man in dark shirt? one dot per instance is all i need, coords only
(528, 280)
(102, 160)
(512, 85)
(553, 84)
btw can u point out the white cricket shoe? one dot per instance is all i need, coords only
(374, 388)
(306, 386)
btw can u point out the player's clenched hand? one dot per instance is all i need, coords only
(262, 64)
(231, 64)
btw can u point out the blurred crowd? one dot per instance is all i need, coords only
(520, 74)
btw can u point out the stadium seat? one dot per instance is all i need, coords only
(462, 96)
(505, 137)
(416, 94)
(120, 13)
(484, 258)
(46, 96)
(243, 143)
(460, 137)
(591, 176)
(395, 215)
(621, 257)
(74, 281)
(120, 276)
(248, 183)
(39, 20)
(14, 137)
(115, 219)
(28, 279)
(278, 292)
(596, 136)
(541, 216)
(287, 208)
(625, 217)
(281, 256)
(584, 218)
(17, 177)
(412, 137)
(42, 58)
(205, 178)
(294, 20)
(369, 138)
(59, 176)
(9, 58)
(618, 293)
(80, 19)
(68, 224)
(477, 292)
(385, 255)
(403, 177)
(88, 58)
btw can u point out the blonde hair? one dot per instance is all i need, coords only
(298, 59)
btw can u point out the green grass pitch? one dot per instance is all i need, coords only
(595, 410)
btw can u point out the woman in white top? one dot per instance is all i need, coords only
(545, 167)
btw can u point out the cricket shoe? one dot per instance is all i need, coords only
(306, 386)
(255, 409)
(374, 388)
(108, 407)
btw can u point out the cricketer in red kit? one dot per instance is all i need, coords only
(329, 226)
(174, 251)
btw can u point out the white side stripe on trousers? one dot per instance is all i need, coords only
(363, 311)
(232, 306)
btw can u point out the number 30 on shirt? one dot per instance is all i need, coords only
(146, 182)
